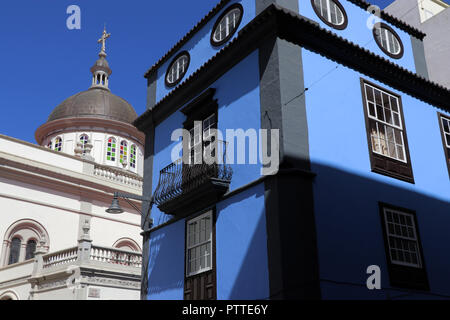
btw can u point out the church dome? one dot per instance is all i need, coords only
(98, 101)
(94, 103)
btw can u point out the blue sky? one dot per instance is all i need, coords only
(42, 62)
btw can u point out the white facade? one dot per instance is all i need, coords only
(430, 8)
(59, 201)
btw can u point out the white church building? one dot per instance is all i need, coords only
(58, 241)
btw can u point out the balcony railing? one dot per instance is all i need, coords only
(60, 257)
(118, 176)
(181, 179)
(116, 256)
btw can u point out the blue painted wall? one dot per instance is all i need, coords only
(200, 48)
(241, 246)
(237, 94)
(358, 32)
(346, 192)
(166, 263)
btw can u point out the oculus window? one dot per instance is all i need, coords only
(386, 133)
(331, 12)
(177, 69)
(226, 25)
(388, 40)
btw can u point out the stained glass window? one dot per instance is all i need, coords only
(58, 144)
(123, 152)
(111, 150)
(84, 140)
(133, 156)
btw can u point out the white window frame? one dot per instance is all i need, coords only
(174, 73)
(387, 33)
(199, 244)
(446, 119)
(328, 7)
(386, 124)
(232, 17)
(414, 238)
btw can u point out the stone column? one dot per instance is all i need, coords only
(84, 242)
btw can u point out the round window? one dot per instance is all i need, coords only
(331, 12)
(388, 40)
(226, 25)
(177, 69)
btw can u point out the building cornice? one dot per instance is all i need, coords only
(392, 20)
(361, 3)
(62, 180)
(276, 21)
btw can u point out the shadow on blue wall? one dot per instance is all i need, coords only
(350, 238)
(166, 264)
(242, 270)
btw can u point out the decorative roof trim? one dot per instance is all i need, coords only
(289, 25)
(392, 20)
(188, 36)
(361, 3)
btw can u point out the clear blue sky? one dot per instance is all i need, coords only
(42, 62)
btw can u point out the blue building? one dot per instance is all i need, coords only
(363, 144)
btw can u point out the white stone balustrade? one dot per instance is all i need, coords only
(60, 257)
(116, 256)
(115, 175)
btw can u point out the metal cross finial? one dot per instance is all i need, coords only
(102, 40)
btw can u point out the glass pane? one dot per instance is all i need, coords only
(394, 105)
(14, 251)
(30, 249)
(369, 93)
(446, 125)
(380, 113)
(372, 109)
(396, 119)
(388, 115)
(400, 153)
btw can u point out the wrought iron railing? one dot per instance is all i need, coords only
(178, 177)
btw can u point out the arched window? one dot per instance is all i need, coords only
(58, 144)
(127, 244)
(111, 150)
(14, 250)
(84, 140)
(133, 156)
(226, 25)
(123, 152)
(49, 144)
(30, 249)
(21, 240)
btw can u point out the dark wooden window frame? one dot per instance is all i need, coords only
(383, 164)
(344, 13)
(400, 275)
(385, 26)
(213, 272)
(216, 24)
(446, 150)
(198, 110)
